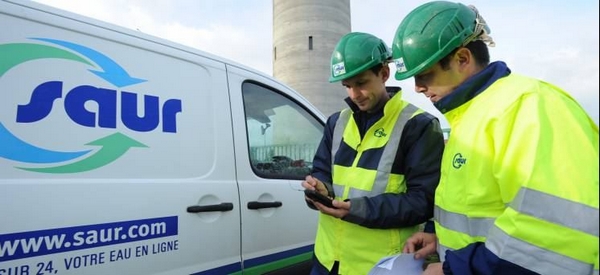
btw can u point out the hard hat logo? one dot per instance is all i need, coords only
(400, 66)
(339, 69)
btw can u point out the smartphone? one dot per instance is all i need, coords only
(318, 197)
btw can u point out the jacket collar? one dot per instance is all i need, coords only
(473, 86)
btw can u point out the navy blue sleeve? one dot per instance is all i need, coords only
(429, 227)
(322, 161)
(418, 159)
(476, 259)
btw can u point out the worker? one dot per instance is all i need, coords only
(379, 159)
(519, 187)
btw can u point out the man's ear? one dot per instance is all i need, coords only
(385, 73)
(463, 56)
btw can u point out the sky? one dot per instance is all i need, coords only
(553, 40)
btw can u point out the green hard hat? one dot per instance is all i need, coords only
(355, 53)
(430, 32)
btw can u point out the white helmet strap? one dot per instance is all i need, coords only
(480, 32)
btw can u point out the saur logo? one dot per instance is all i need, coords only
(50, 93)
(458, 160)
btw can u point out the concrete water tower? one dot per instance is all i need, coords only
(305, 33)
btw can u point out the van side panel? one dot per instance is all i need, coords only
(116, 151)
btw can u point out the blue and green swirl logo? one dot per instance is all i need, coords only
(50, 93)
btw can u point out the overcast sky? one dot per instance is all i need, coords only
(554, 40)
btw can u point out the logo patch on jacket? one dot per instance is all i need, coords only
(380, 132)
(458, 161)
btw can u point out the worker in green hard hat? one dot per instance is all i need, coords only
(379, 160)
(519, 186)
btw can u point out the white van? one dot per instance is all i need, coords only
(122, 153)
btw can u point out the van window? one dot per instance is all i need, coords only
(282, 135)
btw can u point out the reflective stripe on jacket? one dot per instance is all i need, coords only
(362, 167)
(520, 173)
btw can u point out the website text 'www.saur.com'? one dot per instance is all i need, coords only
(42, 242)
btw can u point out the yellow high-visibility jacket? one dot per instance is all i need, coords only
(369, 173)
(520, 174)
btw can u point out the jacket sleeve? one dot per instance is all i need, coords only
(480, 261)
(419, 159)
(546, 165)
(322, 161)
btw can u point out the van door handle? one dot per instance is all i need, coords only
(225, 206)
(258, 205)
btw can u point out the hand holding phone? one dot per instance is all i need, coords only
(318, 197)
